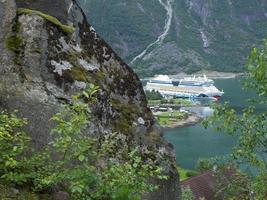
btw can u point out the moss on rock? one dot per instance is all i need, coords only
(65, 28)
(99, 76)
(36, 50)
(79, 74)
(14, 43)
(126, 117)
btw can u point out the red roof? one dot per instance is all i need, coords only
(201, 185)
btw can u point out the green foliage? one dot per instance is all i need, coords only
(232, 186)
(191, 173)
(250, 126)
(66, 29)
(187, 194)
(185, 173)
(8, 193)
(130, 23)
(126, 181)
(74, 163)
(137, 24)
(153, 95)
(14, 144)
(167, 101)
(257, 66)
(182, 173)
(85, 167)
(205, 164)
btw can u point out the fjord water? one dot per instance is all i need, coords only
(194, 142)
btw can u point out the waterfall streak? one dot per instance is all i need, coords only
(168, 7)
(71, 5)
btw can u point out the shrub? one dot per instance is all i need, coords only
(187, 194)
(191, 173)
(14, 144)
(81, 165)
(153, 95)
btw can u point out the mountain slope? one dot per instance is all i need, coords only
(203, 34)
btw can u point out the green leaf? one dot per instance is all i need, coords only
(81, 158)
(85, 94)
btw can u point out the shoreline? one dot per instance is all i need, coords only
(209, 74)
(192, 119)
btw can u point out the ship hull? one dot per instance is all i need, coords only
(217, 97)
(186, 92)
(190, 87)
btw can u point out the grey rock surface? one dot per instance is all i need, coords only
(47, 66)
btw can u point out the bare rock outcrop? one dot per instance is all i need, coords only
(45, 60)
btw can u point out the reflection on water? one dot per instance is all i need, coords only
(202, 111)
(194, 142)
(202, 101)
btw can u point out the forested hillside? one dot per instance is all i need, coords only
(170, 36)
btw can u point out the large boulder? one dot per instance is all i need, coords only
(48, 53)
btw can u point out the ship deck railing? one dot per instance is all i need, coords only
(192, 90)
(181, 90)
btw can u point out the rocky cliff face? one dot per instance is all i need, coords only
(44, 60)
(203, 34)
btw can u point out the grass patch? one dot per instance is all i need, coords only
(182, 173)
(183, 102)
(154, 102)
(65, 28)
(170, 118)
(178, 101)
(186, 173)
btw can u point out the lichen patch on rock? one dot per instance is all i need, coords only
(60, 67)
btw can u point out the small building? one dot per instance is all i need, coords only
(163, 109)
(203, 185)
(170, 109)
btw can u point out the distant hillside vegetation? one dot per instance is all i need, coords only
(214, 35)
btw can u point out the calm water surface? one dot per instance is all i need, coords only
(194, 142)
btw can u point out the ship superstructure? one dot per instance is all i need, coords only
(188, 87)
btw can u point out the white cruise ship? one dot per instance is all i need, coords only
(188, 87)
